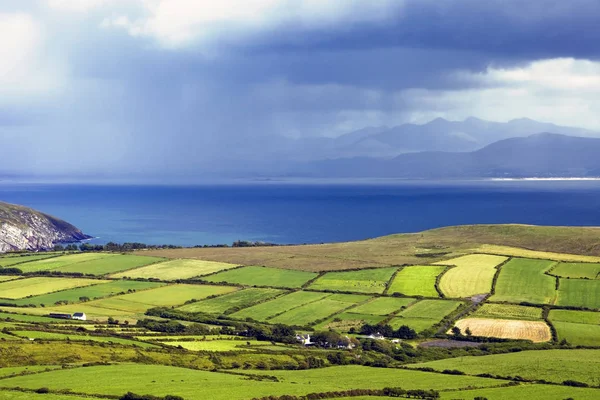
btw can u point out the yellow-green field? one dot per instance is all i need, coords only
(262, 276)
(62, 261)
(176, 269)
(40, 285)
(364, 281)
(473, 274)
(271, 308)
(508, 311)
(523, 280)
(232, 302)
(577, 270)
(416, 281)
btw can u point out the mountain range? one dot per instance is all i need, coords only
(537, 155)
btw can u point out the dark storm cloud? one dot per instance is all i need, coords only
(150, 109)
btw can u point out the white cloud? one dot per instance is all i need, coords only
(563, 91)
(23, 69)
(176, 23)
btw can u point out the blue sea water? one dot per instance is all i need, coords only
(304, 213)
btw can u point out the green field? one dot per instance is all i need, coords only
(262, 276)
(416, 281)
(577, 327)
(4, 278)
(510, 311)
(39, 335)
(91, 292)
(218, 345)
(108, 265)
(550, 365)
(577, 270)
(424, 314)
(232, 301)
(579, 293)
(472, 275)
(36, 286)
(26, 318)
(62, 261)
(523, 280)
(176, 269)
(523, 391)
(318, 310)
(578, 334)
(363, 281)
(262, 311)
(383, 305)
(192, 384)
(13, 261)
(578, 317)
(19, 395)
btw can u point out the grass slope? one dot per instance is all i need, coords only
(191, 384)
(62, 261)
(416, 281)
(550, 365)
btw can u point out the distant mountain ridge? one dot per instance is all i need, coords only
(437, 135)
(23, 228)
(538, 155)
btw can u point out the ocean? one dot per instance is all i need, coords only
(303, 213)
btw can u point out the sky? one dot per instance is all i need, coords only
(185, 89)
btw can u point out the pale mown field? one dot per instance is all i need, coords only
(536, 331)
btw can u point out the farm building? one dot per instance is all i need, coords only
(59, 315)
(304, 339)
(80, 316)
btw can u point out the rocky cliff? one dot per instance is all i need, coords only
(23, 228)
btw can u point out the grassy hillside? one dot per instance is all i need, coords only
(411, 248)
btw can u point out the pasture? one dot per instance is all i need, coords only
(40, 285)
(17, 260)
(39, 335)
(175, 269)
(418, 324)
(263, 311)
(62, 261)
(87, 293)
(263, 276)
(218, 345)
(416, 281)
(4, 278)
(523, 391)
(508, 311)
(344, 321)
(550, 365)
(232, 302)
(578, 334)
(523, 280)
(19, 395)
(473, 274)
(318, 310)
(578, 317)
(536, 331)
(383, 305)
(435, 309)
(577, 270)
(363, 281)
(107, 265)
(158, 380)
(579, 293)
